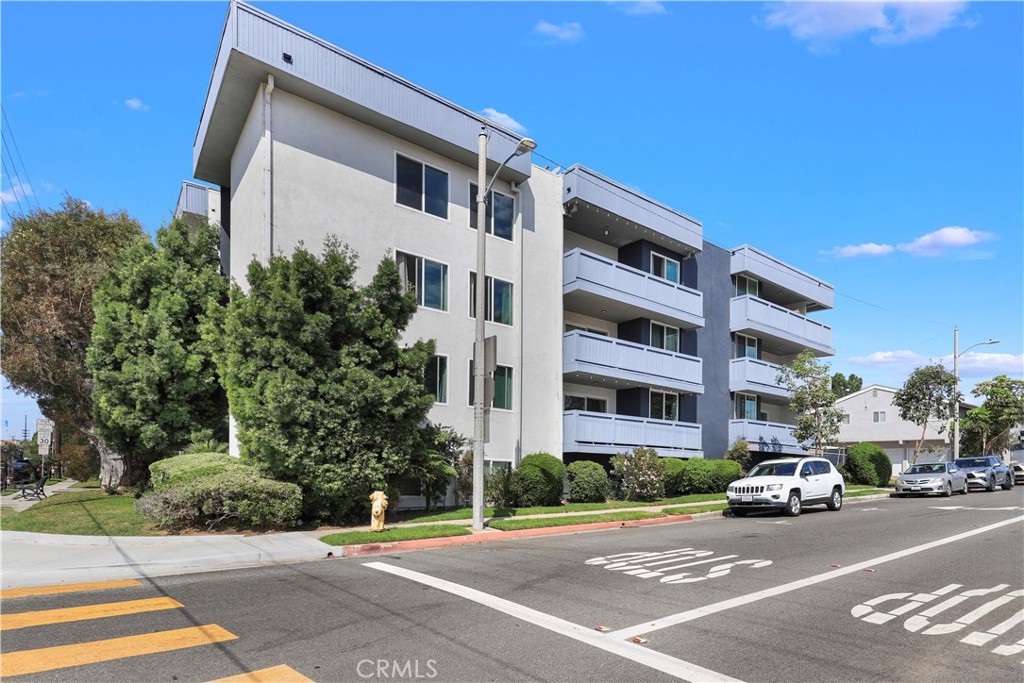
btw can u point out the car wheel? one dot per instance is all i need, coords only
(792, 508)
(965, 489)
(991, 484)
(836, 501)
(1007, 483)
(949, 490)
(738, 513)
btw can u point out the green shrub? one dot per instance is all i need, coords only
(238, 497)
(859, 469)
(740, 452)
(501, 488)
(182, 468)
(541, 480)
(588, 482)
(878, 460)
(698, 475)
(674, 468)
(639, 475)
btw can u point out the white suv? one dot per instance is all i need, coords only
(788, 485)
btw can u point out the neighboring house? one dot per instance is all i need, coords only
(617, 324)
(870, 416)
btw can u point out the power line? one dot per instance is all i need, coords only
(14, 188)
(24, 168)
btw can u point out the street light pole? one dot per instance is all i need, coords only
(956, 386)
(479, 366)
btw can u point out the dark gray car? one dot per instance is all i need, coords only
(986, 472)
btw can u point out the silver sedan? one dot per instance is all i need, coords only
(940, 477)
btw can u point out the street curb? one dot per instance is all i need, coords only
(365, 549)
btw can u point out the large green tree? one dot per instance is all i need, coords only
(989, 428)
(844, 385)
(52, 261)
(156, 385)
(928, 395)
(322, 391)
(817, 418)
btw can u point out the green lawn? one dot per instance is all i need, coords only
(395, 534)
(857, 491)
(89, 513)
(467, 513)
(539, 522)
(90, 484)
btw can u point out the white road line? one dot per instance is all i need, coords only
(690, 615)
(631, 651)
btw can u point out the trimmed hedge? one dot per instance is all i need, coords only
(182, 468)
(674, 468)
(698, 475)
(588, 482)
(859, 469)
(875, 458)
(541, 480)
(240, 497)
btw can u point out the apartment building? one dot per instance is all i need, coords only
(617, 325)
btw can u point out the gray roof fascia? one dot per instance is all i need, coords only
(590, 186)
(252, 45)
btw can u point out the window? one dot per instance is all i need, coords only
(746, 285)
(821, 466)
(663, 266)
(498, 297)
(664, 406)
(436, 378)
(846, 418)
(421, 187)
(428, 278)
(588, 403)
(502, 387)
(746, 347)
(665, 337)
(879, 416)
(500, 213)
(410, 487)
(746, 407)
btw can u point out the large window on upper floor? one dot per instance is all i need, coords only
(747, 285)
(420, 186)
(428, 278)
(502, 387)
(500, 213)
(664, 405)
(587, 403)
(665, 337)
(746, 407)
(746, 347)
(436, 378)
(498, 299)
(665, 267)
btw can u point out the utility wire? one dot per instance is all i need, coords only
(24, 168)
(14, 188)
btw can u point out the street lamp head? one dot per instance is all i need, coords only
(990, 341)
(525, 145)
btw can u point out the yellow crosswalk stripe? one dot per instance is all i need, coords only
(108, 609)
(275, 674)
(63, 656)
(68, 588)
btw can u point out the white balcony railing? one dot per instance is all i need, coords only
(585, 432)
(766, 437)
(768, 269)
(758, 376)
(586, 271)
(610, 357)
(751, 312)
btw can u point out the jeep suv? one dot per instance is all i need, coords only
(787, 485)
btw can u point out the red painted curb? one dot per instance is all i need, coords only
(448, 541)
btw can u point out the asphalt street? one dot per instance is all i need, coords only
(922, 589)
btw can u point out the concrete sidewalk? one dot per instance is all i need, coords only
(15, 502)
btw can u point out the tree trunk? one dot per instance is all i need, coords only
(113, 466)
(917, 446)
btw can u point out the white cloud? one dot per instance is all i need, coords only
(135, 104)
(972, 364)
(866, 249)
(822, 24)
(17, 190)
(567, 32)
(936, 243)
(641, 8)
(503, 119)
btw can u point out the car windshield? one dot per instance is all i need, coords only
(972, 462)
(925, 469)
(773, 469)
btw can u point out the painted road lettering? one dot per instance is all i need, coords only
(899, 604)
(664, 565)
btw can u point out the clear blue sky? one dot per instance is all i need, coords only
(878, 146)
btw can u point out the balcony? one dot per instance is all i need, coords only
(605, 289)
(781, 282)
(603, 433)
(597, 360)
(787, 332)
(753, 376)
(766, 437)
(590, 198)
